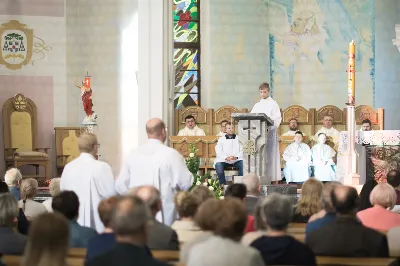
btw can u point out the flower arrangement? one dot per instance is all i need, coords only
(193, 164)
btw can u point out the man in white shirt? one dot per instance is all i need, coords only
(90, 179)
(269, 107)
(298, 160)
(228, 152)
(223, 128)
(328, 129)
(158, 165)
(191, 128)
(322, 158)
(293, 128)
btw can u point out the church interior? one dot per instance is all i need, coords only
(108, 67)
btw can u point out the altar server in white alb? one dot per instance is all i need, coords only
(269, 107)
(191, 128)
(298, 160)
(90, 179)
(158, 165)
(322, 158)
(229, 152)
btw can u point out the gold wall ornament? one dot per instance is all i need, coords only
(17, 45)
(19, 102)
(249, 147)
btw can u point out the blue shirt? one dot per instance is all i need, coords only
(15, 192)
(79, 235)
(100, 244)
(317, 224)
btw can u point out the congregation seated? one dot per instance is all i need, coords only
(67, 203)
(253, 187)
(186, 206)
(229, 152)
(346, 236)
(201, 194)
(13, 179)
(309, 202)
(223, 128)
(47, 241)
(322, 160)
(31, 208)
(130, 222)
(191, 129)
(161, 236)
(328, 129)
(383, 199)
(393, 178)
(293, 128)
(238, 191)
(54, 189)
(11, 242)
(297, 156)
(364, 202)
(274, 244)
(105, 240)
(327, 214)
(223, 247)
(22, 223)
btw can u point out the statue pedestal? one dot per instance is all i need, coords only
(253, 132)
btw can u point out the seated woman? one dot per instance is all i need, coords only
(310, 201)
(186, 205)
(31, 208)
(275, 245)
(22, 223)
(224, 247)
(54, 188)
(379, 216)
(106, 240)
(48, 241)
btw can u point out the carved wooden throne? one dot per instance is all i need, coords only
(20, 136)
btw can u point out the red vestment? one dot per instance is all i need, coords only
(87, 102)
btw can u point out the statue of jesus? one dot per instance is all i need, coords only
(86, 95)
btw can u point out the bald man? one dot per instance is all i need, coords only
(155, 164)
(328, 129)
(90, 179)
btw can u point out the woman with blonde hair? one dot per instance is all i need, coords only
(379, 216)
(47, 241)
(186, 205)
(31, 208)
(310, 201)
(54, 188)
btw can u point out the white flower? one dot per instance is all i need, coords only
(209, 181)
(211, 188)
(191, 155)
(205, 184)
(198, 183)
(222, 197)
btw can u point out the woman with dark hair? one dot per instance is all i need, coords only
(365, 203)
(22, 223)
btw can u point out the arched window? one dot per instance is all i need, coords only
(186, 30)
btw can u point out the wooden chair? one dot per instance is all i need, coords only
(224, 113)
(339, 121)
(203, 119)
(66, 146)
(304, 118)
(367, 112)
(20, 136)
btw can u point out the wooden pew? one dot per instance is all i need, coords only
(77, 252)
(166, 255)
(325, 261)
(10, 260)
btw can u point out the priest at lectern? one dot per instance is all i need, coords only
(269, 106)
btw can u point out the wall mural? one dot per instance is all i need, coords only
(19, 46)
(308, 50)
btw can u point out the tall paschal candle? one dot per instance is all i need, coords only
(351, 74)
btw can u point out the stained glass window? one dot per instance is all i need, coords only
(186, 30)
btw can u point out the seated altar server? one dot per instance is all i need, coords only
(293, 128)
(298, 160)
(322, 159)
(90, 179)
(228, 152)
(191, 128)
(328, 129)
(366, 125)
(158, 165)
(269, 107)
(223, 128)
